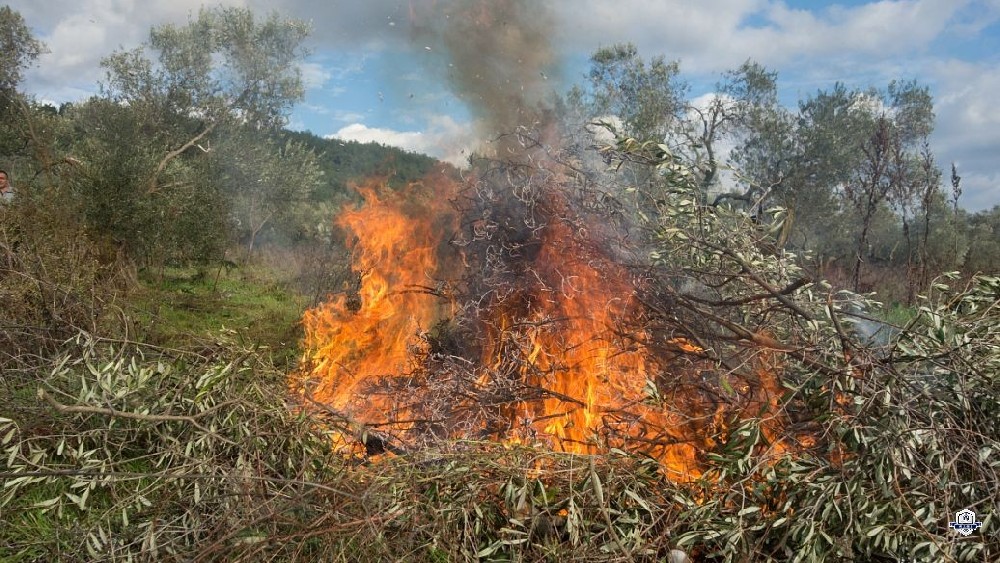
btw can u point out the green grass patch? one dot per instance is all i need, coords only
(183, 307)
(898, 314)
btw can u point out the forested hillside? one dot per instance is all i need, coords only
(347, 162)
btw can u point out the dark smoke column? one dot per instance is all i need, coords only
(497, 58)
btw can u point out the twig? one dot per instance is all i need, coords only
(595, 483)
(759, 280)
(191, 419)
(166, 475)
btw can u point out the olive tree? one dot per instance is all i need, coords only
(892, 156)
(224, 66)
(18, 49)
(267, 181)
(165, 107)
(648, 100)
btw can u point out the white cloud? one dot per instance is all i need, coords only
(968, 127)
(352, 68)
(410, 140)
(361, 26)
(714, 35)
(347, 116)
(314, 75)
(79, 33)
(877, 28)
(967, 96)
(444, 138)
(979, 191)
(708, 35)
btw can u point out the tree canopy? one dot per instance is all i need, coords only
(18, 49)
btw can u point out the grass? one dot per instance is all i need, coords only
(898, 314)
(185, 306)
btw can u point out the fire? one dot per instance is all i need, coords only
(353, 339)
(592, 383)
(557, 357)
(495, 309)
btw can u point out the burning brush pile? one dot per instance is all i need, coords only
(588, 301)
(511, 308)
(521, 304)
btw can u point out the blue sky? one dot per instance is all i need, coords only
(368, 79)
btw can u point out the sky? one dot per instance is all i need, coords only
(369, 77)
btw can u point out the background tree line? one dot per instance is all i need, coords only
(851, 168)
(183, 154)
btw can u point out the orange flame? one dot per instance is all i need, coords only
(350, 341)
(562, 358)
(557, 350)
(595, 385)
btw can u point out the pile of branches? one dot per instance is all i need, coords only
(55, 280)
(120, 451)
(887, 431)
(476, 372)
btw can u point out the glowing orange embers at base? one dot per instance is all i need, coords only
(457, 332)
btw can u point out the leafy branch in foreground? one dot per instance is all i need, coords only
(157, 457)
(884, 432)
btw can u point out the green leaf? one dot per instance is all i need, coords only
(489, 550)
(46, 503)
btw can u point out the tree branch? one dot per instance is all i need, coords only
(192, 419)
(151, 186)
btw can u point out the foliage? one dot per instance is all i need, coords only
(268, 184)
(134, 454)
(909, 443)
(140, 181)
(837, 164)
(877, 439)
(224, 64)
(643, 100)
(982, 252)
(648, 98)
(194, 455)
(53, 280)
(185, 222)
(345, 162)
(18, 50)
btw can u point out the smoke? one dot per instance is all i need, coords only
(495, 54)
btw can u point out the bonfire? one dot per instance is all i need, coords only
(501, 308)
(507, 305)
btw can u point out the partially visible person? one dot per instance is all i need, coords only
(6, 190)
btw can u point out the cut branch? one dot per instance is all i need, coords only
(191, 419)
